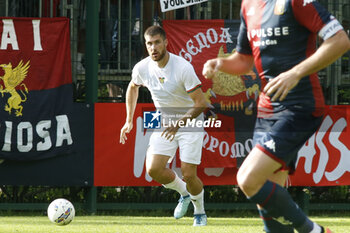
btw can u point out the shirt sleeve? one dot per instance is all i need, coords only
(135, 76)
(313, 16)
(243, 45)
(190, 79)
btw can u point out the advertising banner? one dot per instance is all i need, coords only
(323, 160)
(168, 5)
(38, 126)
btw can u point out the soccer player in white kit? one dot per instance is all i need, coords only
(174, 86)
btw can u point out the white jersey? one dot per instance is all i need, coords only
(170, 85)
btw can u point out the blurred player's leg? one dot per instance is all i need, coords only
(270, 224)
(274, 199)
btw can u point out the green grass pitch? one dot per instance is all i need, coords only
(125, 224)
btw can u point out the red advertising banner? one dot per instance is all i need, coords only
(323, 161)
(116, 164)
(325, 158)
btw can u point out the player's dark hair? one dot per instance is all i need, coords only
(155, 30)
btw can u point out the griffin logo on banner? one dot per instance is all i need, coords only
(11, 79)
(232, 90)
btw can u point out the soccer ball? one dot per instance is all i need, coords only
(61, 211)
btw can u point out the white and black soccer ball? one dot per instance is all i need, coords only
(61, 211)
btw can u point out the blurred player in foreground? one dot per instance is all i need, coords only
(174, 86)
(279, 37)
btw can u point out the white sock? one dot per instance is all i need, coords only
(316, 229)
(178, 185)
(198, 203)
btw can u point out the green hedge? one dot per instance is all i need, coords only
(213, 194)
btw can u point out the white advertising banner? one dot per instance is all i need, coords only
(168, 5)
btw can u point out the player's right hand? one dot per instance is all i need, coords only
(126, 129)
(211, 67)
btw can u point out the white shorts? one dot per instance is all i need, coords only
(190, 144)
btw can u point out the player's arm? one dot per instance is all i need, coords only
(235, 64)
(199, 106)
(132, 94)
(329, 51)
(238, 63)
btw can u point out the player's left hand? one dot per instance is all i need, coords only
(169, 132)
(126, 129)
(280, 86)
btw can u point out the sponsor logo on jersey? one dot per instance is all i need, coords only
(267, 36)
(280, 7)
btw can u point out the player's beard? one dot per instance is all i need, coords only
(160, 56)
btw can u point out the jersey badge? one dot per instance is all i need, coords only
(280, 7)
(161, 80)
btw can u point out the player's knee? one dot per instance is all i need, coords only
(240, 179)
(188, 177)
(153, 172)
(245, 182)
